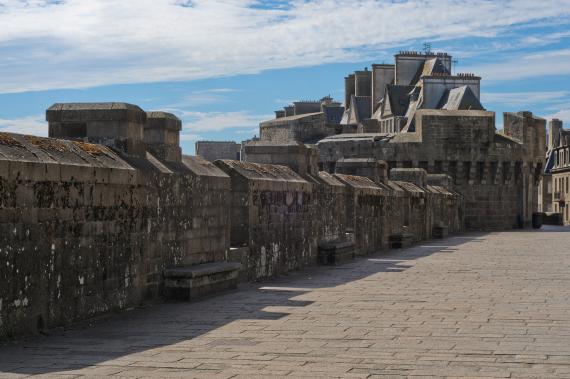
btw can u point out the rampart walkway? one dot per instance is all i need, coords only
(480, 305)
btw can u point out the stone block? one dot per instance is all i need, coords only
(417, 176)
(440, 231)
(195, 282)
(371, 168)
(334, 253)
(401, 240)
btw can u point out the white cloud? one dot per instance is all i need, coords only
(547, 63)
(218, 121)
(80, 43)
(545, 39)
(186, 137)
(193, 123)
(34, 125)
(563, 114)
(204, 97)
(521, 98)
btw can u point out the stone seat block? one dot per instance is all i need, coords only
(334, 253)
(401, 240)
(190, 283)
(440, 231)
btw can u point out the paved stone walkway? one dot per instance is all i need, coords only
(481, 305)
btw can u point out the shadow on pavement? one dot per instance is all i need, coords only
(141, 330)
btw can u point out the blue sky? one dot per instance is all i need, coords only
(224, 65)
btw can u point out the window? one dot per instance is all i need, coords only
(480, 171)
(506, 171)
(452, 171)
(467, 171)
(493, 172)
(438, 167)
(518, 171)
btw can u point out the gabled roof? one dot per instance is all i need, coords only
(460, 98)
(363, 107)
(360, 109)
(398, 99)
(430, 67)
(549, 162)
(434, 66)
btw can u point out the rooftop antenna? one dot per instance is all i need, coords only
(427, 48)
(455, 63)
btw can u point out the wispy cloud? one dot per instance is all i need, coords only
(81, 43)
(522, 66)
(204, 97)
(187, 137)
(219, 121)
(522, 98)
(563, 114)
(34, 125)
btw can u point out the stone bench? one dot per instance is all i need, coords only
(401, 240)
(193, 282)
(440, 231)
(334, 253)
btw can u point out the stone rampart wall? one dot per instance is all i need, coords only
(283, 217)
(85, 232)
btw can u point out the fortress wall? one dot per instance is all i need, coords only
(377, 211)
(87, 229)
(497, 174)
(84, 231)
(279, 218)
(308, 128)
(276, 211)
(331, 197)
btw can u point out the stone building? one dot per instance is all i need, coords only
(557, 173)
(212, 150)
(303, 121)
(497, 173)
(386, 98)
(416, 113)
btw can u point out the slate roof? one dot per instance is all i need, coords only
(363, 107)
(549, 162)
(460, 98)
(360, 109)
(333, 115)
(399, 97)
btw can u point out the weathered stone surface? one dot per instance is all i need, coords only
(368, 167)
(497, 174)
(118, 125)
(214, 150)
(335, 253)
(86, 232)
(190, 283)
(272, 212)
(89, 229)
(162, 135)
